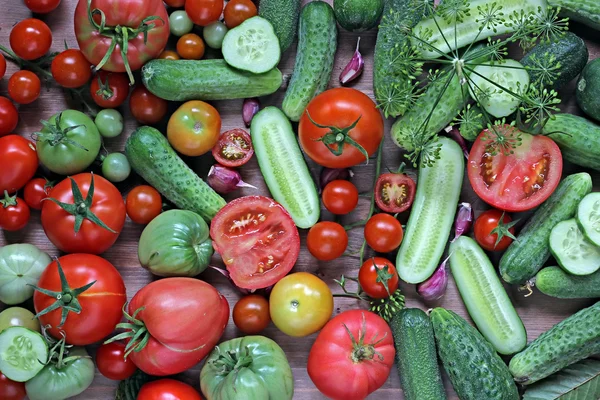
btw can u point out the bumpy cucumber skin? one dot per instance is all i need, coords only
(567, 342)
(433, 209)
(357, 15)
(585, 11)
(283, 167)
(152, 157)
(526, 256)
(182, 80)
(588, 89)
(416, 357)
(487, 302)
(475, 369)
(555, 282)
(317, 43)
(578, 139)
(283, 15)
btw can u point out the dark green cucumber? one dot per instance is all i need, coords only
(588, 89)
(471, 122)
(577, 137)
(181, 80)
(416, 358)
(526, 256)
(555, 282)
(283, 14)
(152, 157)
(357, 15)
(585, 11)
(567, 342)
(317, 43)
(475, 369)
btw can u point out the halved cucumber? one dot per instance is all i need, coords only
(252, 46)
(283, 166)
(572, 251)
(23, 353)
(588, 217)
(487, 302)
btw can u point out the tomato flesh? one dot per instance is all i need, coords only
(394, 193)
(234, 148)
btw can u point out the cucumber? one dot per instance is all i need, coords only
(317, 44)
(23, 353)
(476, 371)
(181, 80)
(569, 50)
(471, 122)
(252, 46)
(283, 166)
(447, 37)
(416, 358)
(283, 15)
(577, 137)
(526, 256)
(357, 15)
(585, 11)
(567, 342)
(487, 302)
(433, 209)
(151, 156)
(555, 282)
(588, 217)
(588, 89)
(572, 251)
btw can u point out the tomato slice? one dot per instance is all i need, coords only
(257, 239)
(394, 193)
(234, 148)
(518, 181)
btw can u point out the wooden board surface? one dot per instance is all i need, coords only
(538, 312)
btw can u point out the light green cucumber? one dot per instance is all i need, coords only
(571, 249)
(556, 282)
(588, 217)
(23, 353)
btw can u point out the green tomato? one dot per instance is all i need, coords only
(20, 264)
(71, 379)
(250, 367)
(18, 316)
(180, 23)
(109, 123)
(115, 167)
(214, 34)
(176, 243)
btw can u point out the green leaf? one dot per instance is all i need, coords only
(580, 381)
(130, 387)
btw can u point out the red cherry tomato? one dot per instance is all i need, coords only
(489, 221)
(190, 47)
(14, 213)
(71, 69)
(234, 148)
(42, 6)
(30, 39)
(145, 107)
(383, 233)
(111, 362)
(20, 154)
(175, 3)
(251, 314)
(2, 66)
(372, 275)
(109, 89)
(24, 87)
(36, 191)
(340, 197)
(168, 389)
(9, 116)
(11, 390)
(203, 12)
(327, 241)
(237, 11)
(394, 192)
(143, 204)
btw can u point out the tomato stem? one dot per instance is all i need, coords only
(136, 332)
(8, 200)
(36, 66)
(230, 361)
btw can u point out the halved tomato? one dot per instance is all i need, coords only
(394, 192)
(514, 179)
(234, 148)
(257, 239)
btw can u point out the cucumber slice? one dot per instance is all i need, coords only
(509, 74)
(283, 166)
(588, 217)
(252, 46)
(572, 251)
(487, 302)
(23, 353)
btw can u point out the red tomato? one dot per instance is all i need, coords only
(24, 87)
(488, 226)
(251, 314)
(142, 46)
(203, 12)
(107, 205)
(20, 154)
(184, 318)
(109, 89)
(338, 109)
(194, 128)
(9, 116)
(71, 69)
(168, 389)
(190, 46)
(111, 362)
(30, 39)
(394, 193)
(257, 239)
(145, 107)
(327, 241)
(35, 191)
(372, 275)
(42, 6)
(383, 233)
(101, 304)
(11, 390)
(518, 181)
(2, 66)
(234, 148)
(340, 197)
(237, 11)
(350, 367)
(14, 213)
(175, 3)
(143, 204)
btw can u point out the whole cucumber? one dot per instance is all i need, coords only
(585, 11)
(555, 282)
(577, 137)
(283, 15)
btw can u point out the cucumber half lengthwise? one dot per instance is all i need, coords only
(571, 249)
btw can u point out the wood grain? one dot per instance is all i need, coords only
(538, 312)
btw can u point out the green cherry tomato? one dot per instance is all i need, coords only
(18, 316)
(115, 167)
(109, 123)
(180, 23)
(214, 34)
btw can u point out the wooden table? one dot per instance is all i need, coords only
(538, 312)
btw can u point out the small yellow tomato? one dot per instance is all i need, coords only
(18, 316)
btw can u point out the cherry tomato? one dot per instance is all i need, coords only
(24, 87)
(234, 148)
(30, 39)
(175, 3)
(251, 314)
(487, 227)
(42, 6)
(145, 107)
(143, 204)
(2, 66)
(111, 362)
(169, 55)
(109, 89)
(194, 128)
(11, 390)
(383, 233)
(327, 241)
(9, 116)
(35, 191)
(237, 11)
(372, 277)
(71, 69)
(14, 213)
(340, 197)
(168, 389)
(394, 193)
(203, 12)
(190, 46)
(20, 154)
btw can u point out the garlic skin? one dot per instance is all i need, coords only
(249, 109)
(354, 68)
(464, 219)
(331, 174)
(225, 180)
(435, 286)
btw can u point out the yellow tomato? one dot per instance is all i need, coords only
(18, 316)
(194, 128)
